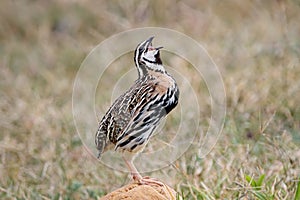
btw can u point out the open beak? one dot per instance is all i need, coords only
(149, 45)
(149, 42)
(150, 39)
(151, 48)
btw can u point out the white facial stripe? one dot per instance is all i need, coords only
(138, 55)
(150, 55)
(137, 63)
(156, 67)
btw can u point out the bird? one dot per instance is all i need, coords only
(130, 121)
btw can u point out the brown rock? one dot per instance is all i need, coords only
(135, 191)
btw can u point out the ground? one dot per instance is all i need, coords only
(135, 191)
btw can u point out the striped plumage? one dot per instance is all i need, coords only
(131, 120)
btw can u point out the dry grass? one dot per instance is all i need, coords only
(255, 44)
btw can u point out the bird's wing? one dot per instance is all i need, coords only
(118, 116)
(147, 113)
(113, 122)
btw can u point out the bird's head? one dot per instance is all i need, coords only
(147, 56)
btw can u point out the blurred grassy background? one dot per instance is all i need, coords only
(256, 45)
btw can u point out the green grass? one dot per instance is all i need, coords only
(256, 46)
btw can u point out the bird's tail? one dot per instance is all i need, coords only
(100, 141)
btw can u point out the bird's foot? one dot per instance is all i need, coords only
(147, 181)
(137, 177)
(153, 182)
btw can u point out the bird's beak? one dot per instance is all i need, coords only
(149, 46)
(149, 43)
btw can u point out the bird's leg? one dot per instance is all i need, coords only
(138, 178)
(134, 172)
(145, 180)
